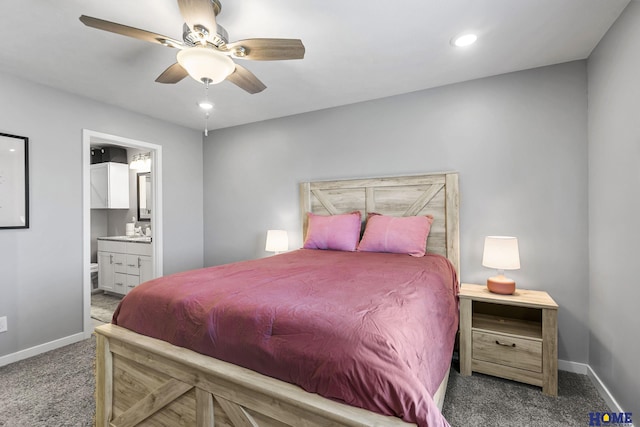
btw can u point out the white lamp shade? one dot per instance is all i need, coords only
(277, 241)
(205, 63)
(501, 252)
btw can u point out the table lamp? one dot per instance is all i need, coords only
(277, 241)
(501, 253)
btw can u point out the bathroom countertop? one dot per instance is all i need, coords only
(132, 239)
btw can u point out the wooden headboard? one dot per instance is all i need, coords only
(434, 194)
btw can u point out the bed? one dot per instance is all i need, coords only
(141, 380)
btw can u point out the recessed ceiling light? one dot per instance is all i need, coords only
(464, 40)
(205, 105)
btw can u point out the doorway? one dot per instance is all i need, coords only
(92, 138)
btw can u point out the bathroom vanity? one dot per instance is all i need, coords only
(123, 263)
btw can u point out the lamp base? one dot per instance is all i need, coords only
(501, 285)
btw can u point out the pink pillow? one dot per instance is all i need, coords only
(337, 232)
(400, 235)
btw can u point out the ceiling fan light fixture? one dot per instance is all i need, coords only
(205, 64)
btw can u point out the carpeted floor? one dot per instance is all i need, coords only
(103, 306)
(50, 390)
(482, 400)
(56, 389)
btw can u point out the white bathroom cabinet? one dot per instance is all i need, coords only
(110, 186)
(123, 265)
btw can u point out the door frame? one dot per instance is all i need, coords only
(90, 137)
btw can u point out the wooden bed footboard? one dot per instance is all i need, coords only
(145, 381)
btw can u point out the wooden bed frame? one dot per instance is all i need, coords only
(145, 381)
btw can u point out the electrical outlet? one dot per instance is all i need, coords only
(3, 324)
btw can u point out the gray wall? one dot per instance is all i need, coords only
(614, 209)
(41, 267)
(519, 142)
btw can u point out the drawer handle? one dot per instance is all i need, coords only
(505, 345)
(132, 265)
(122, 284)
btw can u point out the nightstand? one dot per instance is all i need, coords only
(510, 336)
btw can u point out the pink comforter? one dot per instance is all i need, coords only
(370, 329)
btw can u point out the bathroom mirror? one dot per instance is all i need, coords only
(144, 196)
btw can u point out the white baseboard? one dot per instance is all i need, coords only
(42, 348)
(604, 391)
(584, 369)
(574, 367)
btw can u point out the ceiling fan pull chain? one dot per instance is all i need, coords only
(206, 114)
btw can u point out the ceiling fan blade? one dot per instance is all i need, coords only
(200, 13)
(267, 49)
(246, 80)
(173, 74)
(125, 30)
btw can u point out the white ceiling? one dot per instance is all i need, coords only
(356, 50)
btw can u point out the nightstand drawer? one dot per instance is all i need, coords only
(507, 350)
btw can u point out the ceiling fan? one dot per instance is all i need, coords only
(205, 52)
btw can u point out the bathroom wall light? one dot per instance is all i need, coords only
(141, 162)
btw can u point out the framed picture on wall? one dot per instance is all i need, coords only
(14, 181)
